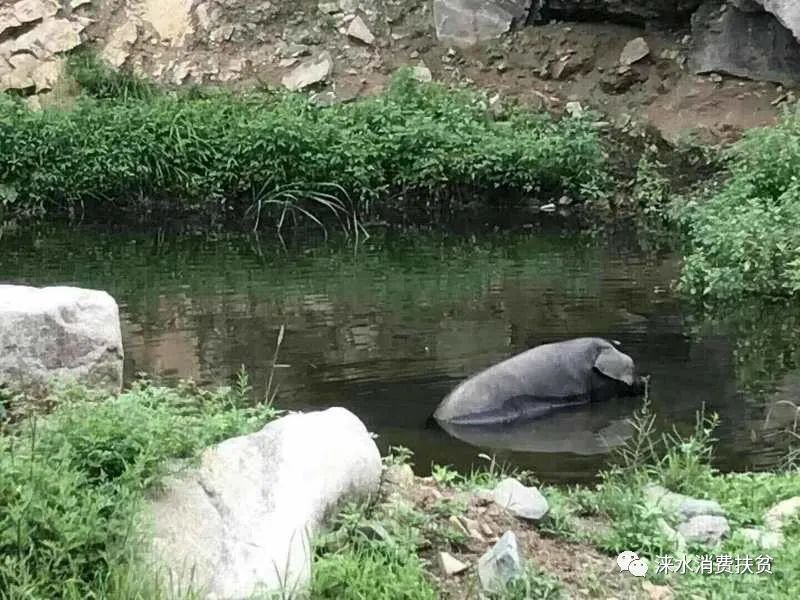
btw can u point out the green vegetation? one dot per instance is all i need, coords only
(129, 150)
(743, 239)
(682, 464)
(386, 550)
(72, 483)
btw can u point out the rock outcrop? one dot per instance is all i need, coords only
(59, 333)
(786, 11)
(243, 521)
(752, 45)
(468, 22)
(33, 38)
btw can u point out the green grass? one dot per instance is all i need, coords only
(124, 149)
(744, 235)
(683, 464)
(72, 483)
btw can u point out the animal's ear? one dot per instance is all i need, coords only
(613, 363)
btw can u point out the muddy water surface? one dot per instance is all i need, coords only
(388, 330)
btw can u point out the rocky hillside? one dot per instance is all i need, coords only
(714, 66)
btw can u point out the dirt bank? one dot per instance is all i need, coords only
(350, 48)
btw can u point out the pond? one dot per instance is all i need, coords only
(387, 329)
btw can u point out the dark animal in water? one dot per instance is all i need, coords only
(540, 380)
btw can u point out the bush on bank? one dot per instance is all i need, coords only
(745, 238)
(213, 152)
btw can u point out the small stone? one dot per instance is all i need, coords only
(399, 476)
(634, 51)
(285, 63)
(450, 565)
(715, 77)
(549, 207)
(472, 528)
(499, 565)
(564, 201)
(574, 109)
(414, 54)
(359, 30)
(309, 72)
(670, 54)
(456, 522)
(421, 73)
(519, 500)
(705, 529)
(767, 540)
(483, 497)
(779, 515)
(486, 530)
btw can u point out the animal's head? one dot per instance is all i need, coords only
(618, 366)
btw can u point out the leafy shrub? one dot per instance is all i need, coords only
(745, 238)
(71, 483)
(214, 153)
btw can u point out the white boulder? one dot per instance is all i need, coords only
(59, 333)
(243, 522)
(469, 22)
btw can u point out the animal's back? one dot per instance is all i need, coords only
(530, 381)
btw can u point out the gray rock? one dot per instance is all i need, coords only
(704, 529)
(574, 109)
(519, 500)
(767, 540)
(680, 506)
(59, 333)
(450, 565)
(658, 495)
(784, 511)
(693, 507)
(243, 522)
(309, 72)
(500, 564)
(634, 51)
(399, 476)
(422, 73)
(751, 45)
(359, 30)
(483, 497)
(469, 22)
(787, 12)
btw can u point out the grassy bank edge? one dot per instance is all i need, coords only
(127, 149)
(74, 482)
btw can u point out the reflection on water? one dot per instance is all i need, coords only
(585, 430)
(389, 330)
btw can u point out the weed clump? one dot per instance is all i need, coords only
(126, 150)
(744, 239)
(72, 483)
